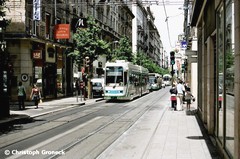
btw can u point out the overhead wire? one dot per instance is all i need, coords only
(166, 20)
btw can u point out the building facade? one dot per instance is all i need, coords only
(38, 56)
(217, 26)
(145, 37)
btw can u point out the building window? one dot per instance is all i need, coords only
(219, 73)
(225, 77)
(48, 23)
(229, 76)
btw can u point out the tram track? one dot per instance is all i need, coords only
(131, 112)
(136, 117)
(152, 105)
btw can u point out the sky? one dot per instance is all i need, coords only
(175, 22)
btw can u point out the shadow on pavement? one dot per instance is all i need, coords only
(212, 149)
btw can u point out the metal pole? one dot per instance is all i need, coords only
(77, 94)
(81, 93)
(172, 74)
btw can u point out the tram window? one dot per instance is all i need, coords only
(131, 79)
(114, 75)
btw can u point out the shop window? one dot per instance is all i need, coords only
(48, 23)
(220, 74)
(225, 77)
(229, 77)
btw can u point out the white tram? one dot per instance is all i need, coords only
(167, 79)
(154, 82)
(125, 81)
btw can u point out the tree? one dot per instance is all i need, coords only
(123, 51)
(142, 60)
(89, 46)
(88, 42)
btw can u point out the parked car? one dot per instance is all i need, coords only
(97, 87)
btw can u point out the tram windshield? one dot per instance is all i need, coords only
(152, 79)
(114, 74)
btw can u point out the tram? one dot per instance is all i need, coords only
(124, 80)
(167, 79)
(154, 82)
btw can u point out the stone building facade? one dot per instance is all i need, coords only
(218, 53)
(37, 56)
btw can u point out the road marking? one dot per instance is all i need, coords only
(55, 137)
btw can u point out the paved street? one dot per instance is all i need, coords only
(159, 133)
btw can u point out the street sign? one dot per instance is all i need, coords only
(184, 44)
(36, 9)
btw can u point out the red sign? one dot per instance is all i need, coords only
(62, 31)
(37, 54)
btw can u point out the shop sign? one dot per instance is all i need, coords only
(78, 23)
(24, 77)
(36, 9)
(62, 31)
(37, 54)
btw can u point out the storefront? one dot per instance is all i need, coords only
(217, 52)
(48, 62)
(224, 97)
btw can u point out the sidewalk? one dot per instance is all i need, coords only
(44, 108)
(164, 134)
(161, 134)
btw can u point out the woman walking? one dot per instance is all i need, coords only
(21, 96)
(188, 98)
(35, 95)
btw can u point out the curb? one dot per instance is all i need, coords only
(15, 118)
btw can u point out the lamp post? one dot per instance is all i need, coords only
(4, 99)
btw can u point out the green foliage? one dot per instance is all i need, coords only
(229, 59)
(88, 42)
(142, 60)
(123, 50)
(2, 6)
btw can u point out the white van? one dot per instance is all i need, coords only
(97, 87)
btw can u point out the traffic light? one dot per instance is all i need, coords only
(87, 61)
(172, 57)
(183, 67)
(100, 64)
(186, 64)
(172, 72)
(10, 69)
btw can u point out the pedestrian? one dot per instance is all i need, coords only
(180, 92)
(159, 82)
(188, 98)
(187, 88)
(21, 96)
(35, 95)
(173, 92)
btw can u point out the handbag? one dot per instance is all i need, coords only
(173, 98)
(193, 99)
